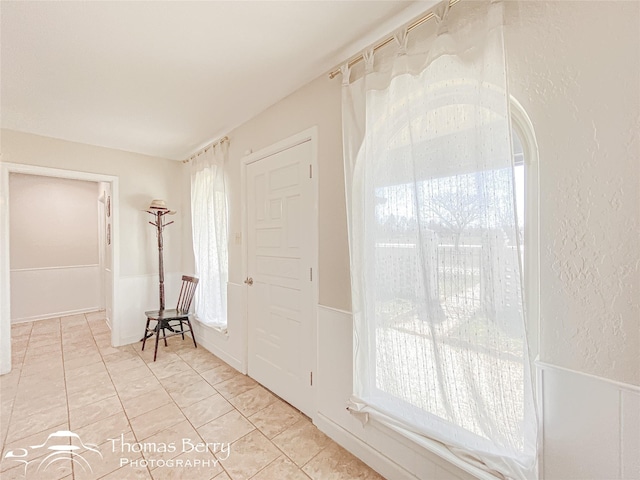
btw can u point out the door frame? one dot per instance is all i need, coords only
(311, 135)
(5, 268)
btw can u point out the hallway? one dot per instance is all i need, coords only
(149, 420)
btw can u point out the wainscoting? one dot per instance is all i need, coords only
(38, 293)
(229, 345)
(591, 426)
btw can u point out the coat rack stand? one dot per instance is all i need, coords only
(159, 223)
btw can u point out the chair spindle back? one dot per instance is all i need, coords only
(187, 292)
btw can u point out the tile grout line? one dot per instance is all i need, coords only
(66, 391)
(194, 363)
(13, 403)
(218, 462)
(117, 395)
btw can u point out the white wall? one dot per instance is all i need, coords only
(576, 70)
(575, 67)
(141, 179)
(54, 250)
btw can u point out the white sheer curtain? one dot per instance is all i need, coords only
(440, 337)
(210, 239)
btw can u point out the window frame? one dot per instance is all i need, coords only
(521, 125)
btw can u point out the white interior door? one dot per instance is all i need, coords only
(280, 216)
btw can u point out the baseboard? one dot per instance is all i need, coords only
(380, 463)
(221, 354)
(130, 339)
(49, 316)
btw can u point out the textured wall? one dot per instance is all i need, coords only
(575, 66)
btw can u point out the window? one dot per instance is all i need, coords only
(210, 237)
(470, 288)
(436, 203)
(442, 345)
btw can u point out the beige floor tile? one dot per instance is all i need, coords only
(88, 414)
(235, 386)
(189, 465)
(148, 401)
(223, 476)
(335, 463)
(169, 368)
(301, 442)
(275, 418)
(25, 426)
(118, 363)
(129, 472)
(107, 350)
(200, 360)
(26, 405)
(56, 471)
(206, 410)
(43, 352)
(102, 337)
(82, 360)
(219, 374)
(39, 341)
(283, 469)
(97, 315)
(45, 368)
(85, 371)
(177, 382)
(101, 431)
(253, 400)
(109, 460)
(249, 455)
(226, 429)
(122, 355)
(87, 397)
(120, 378)
(78, 384)
(9, 382)
(138, 386)
(178, 439)
(156, 420)
(18, 329)
(76, 317)
(193, 393)
(24, 443)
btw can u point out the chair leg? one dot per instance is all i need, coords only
(155, 352)
(182, 328)
(164, 335)
(146, 332)
(193, 336)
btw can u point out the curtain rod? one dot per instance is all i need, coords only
(417, 23)
(211, 145)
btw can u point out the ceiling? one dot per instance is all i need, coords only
(166, 78)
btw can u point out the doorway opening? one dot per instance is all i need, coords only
(102, 274)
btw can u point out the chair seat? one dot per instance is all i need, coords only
(171, 314)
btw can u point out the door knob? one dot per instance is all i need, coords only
(249, 281)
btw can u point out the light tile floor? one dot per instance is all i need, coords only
(67, 377)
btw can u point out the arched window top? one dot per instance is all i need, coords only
(525, 142)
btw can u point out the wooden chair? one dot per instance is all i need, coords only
(172, 319)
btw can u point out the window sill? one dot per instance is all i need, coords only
(221, 329)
